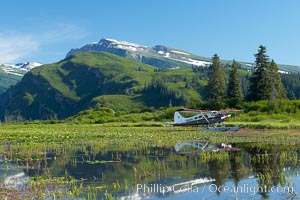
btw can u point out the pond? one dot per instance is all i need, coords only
(83, 171)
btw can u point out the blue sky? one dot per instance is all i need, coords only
(44, 31)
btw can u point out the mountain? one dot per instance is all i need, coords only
(158, 56)
(162, 56)
(12, 69)
(12, 74)
(19, 69)
(27, 66)
(97, 79)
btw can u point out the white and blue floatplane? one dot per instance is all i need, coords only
(190, 117)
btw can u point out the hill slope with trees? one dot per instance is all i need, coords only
(87, 80)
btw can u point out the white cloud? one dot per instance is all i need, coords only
(14, 47)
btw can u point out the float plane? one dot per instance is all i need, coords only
(190, 117)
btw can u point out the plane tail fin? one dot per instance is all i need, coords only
(178, 119)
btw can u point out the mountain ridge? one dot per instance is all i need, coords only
(143, 53)
(163, 56)
(160, 56)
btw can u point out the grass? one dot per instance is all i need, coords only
(267, 124)
(285, 115)
(130, 134)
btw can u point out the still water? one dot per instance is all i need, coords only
(256, 171)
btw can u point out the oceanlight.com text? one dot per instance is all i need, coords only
(248, 189)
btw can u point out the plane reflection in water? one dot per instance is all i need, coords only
(193, 147)
(16, 181)
(12, 177)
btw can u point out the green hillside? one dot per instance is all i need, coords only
(92, 79)
(96, 80)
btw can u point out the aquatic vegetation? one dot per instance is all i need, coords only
(112, 159)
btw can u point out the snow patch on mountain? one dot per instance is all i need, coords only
(124, 43)
(28, 65)
(283, 72)
(11, 69)
(130, 48)
(19, 69)
(193, 62)
(180, 52)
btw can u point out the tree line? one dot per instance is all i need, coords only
(264, 84)
(158, 94)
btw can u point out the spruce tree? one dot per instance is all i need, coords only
(215, 88)
(260, 81)
(234, 90)
(265, 82)
(278, 90)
